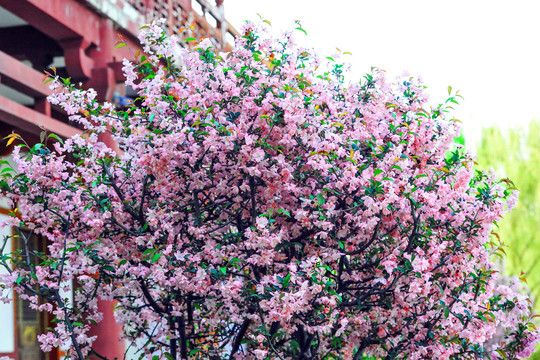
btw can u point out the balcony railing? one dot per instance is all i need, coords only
(207, 19)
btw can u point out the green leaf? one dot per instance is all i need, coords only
(302, 30)
(286, 280)
(194, 351)
(54, 136)
(483, 317)
(320, 199)
(149, 251)
(120, 45)
(156, 257)
(109, 268)
(235, 262)
(377, 172)
(284, 212)
(333, 292)
(190, 39)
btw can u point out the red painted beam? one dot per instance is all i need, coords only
(59, 19)
(21, 117)
(21, 77)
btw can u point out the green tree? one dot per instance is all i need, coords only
(516, 154)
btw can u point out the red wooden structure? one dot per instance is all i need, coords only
(77, 37)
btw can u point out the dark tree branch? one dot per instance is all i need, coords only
(119, 192)
(415, 226)
(367, 244)
(183, 339)
(363, 344)
(239, 337)
(143, 196)
(172, 322)
(149, 298)
(197, 206)
(253, 203)
(67, 320)
(98, 355)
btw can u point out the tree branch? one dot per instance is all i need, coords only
(141, 206)
(239, 337)
(149, 298)
(253, 203)
(183, 339)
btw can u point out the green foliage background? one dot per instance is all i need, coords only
(516, 154)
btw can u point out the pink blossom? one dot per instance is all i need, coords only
(263, 212)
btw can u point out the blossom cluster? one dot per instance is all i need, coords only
(260, 208)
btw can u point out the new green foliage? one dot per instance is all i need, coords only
(516, 154)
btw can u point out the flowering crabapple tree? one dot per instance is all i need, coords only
(260, 208)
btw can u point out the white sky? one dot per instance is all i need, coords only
(489, 50)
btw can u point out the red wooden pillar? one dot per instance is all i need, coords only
(108, 332)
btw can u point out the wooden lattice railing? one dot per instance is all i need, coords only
(207, 19)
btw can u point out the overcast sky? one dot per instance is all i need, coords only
(489, 50)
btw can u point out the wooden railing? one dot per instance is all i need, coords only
(207, 19)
